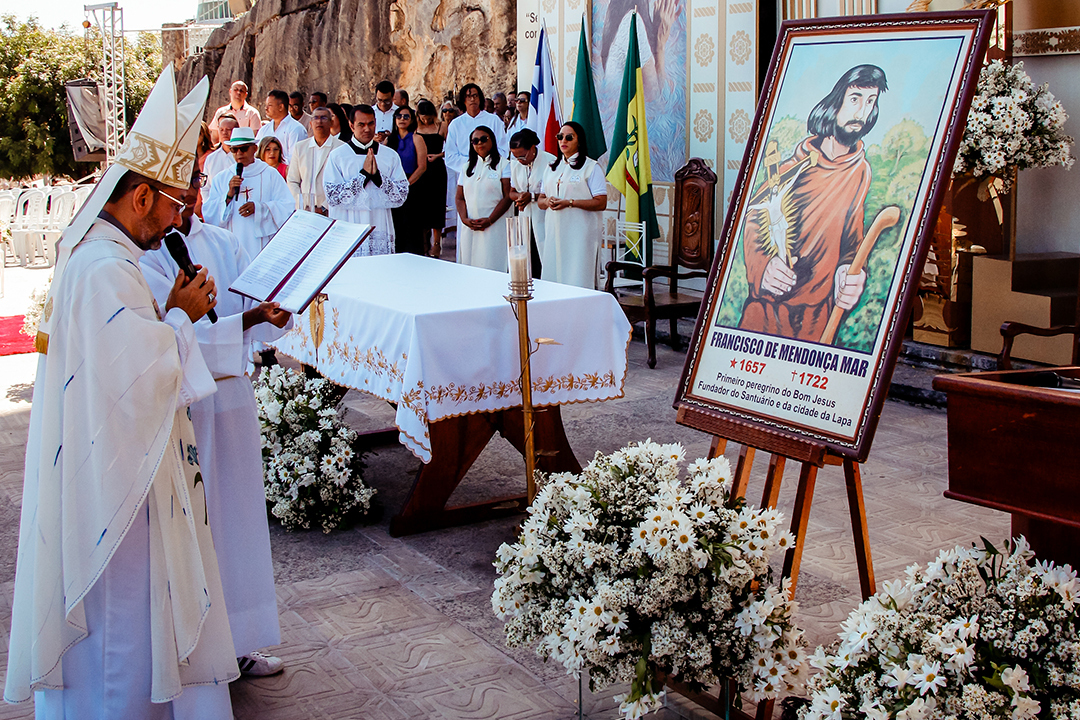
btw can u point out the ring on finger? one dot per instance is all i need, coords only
(211, 297)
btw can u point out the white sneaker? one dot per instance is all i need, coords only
(257, 664)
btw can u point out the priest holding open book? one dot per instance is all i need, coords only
(363, 180)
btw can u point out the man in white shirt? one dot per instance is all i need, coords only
(471, 100)
(228, 436)
(384, 110)
(245, 114)
(363, 180)
(220, 159)
(309, 160)
(296, 110)
(281, 125)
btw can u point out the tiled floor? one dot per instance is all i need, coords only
(378, 627)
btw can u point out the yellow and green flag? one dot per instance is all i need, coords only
(628, 164)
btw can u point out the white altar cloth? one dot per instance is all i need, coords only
(440, 340)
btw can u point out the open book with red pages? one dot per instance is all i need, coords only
(300, 259)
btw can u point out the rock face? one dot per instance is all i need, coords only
(345, 47)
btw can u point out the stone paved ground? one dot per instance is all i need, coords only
(377, 627)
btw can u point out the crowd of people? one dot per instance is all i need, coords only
(414, 172)
(174, 455)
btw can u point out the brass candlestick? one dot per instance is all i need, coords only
(519, 262)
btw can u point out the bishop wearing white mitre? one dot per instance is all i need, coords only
(363, 180)
(118, 609)
(253, 205)
(228, 435)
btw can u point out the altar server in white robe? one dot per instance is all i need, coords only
(574, 195)
(254, 206)
(228, 436)
(483, 197)
(363, 180)
(528, 168)
(118, 610)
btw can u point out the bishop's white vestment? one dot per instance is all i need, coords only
(228, 436)
(352, 196)
(262, 185)
(118, 609)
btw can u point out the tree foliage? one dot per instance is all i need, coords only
(35, 62)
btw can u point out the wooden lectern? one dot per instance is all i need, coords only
(1013, 447)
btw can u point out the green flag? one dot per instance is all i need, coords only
(586, 108)
(628, 165)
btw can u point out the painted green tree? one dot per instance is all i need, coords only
(35, 62)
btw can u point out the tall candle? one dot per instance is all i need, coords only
(519, 264)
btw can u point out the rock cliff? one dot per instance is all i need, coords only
(345, 47)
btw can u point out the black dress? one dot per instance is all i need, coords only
(430, 189)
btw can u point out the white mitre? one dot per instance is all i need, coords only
(161, 145)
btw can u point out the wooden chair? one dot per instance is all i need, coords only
(1010, 330)
(691, 248)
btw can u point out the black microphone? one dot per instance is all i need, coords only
(240, 174)
(174, 241)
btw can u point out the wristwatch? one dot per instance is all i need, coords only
(571, 202)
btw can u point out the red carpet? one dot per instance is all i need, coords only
(12, 341)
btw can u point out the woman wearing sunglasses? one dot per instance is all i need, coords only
(574, 195)
(483, 197)
(411, 148)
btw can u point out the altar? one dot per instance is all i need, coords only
(439, 341)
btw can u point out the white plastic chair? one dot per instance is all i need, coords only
(81, 193)
(61, 210)
(620, 246)
(28, 224)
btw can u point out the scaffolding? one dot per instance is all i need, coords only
(109, 19)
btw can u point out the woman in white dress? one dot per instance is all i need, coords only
(483, 197)
(574, 196)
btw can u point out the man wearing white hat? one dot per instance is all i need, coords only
(228, 436)
(118, 610)
(254, 204)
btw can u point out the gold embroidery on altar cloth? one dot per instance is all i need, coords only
(385, 374)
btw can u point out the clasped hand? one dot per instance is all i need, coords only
(477, 223)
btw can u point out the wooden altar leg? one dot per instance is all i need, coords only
(857, 510)
(455, 444)
(553, 451)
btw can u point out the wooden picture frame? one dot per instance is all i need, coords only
(777, 361)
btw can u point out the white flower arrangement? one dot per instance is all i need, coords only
(628, 571)
(314, 477)
(977, 634)
(1012, 125)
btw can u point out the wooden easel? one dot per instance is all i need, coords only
(781, 449)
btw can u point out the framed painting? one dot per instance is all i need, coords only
(825, 238)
